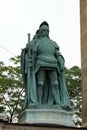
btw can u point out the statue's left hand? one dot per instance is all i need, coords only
(62, 68)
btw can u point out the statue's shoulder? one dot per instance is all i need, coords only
(35, 41)
(55, 44)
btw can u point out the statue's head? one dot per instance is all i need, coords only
(44, 29)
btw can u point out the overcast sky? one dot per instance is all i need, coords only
(20, 17)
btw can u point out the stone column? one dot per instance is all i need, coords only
(83, 25)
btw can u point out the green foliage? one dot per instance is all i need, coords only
(73, 78)
(12, 91)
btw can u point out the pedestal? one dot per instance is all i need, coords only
(46, 116)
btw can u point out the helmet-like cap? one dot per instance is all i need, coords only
(44, 23)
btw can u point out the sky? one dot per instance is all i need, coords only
(20, 17)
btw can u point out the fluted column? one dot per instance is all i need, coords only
(83, 25)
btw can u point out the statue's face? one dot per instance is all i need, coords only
(44, 31)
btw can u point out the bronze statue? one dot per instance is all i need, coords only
(43, 72)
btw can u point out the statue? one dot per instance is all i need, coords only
(42, 67)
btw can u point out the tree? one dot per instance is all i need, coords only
(73, 79)
(12, 90)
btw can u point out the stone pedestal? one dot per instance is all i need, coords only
(46, 116)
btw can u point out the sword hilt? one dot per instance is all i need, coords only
(28, 37)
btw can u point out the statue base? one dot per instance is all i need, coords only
(46, 116)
